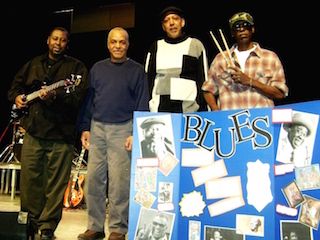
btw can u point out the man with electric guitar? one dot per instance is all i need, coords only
(17, 113)
(51, 87)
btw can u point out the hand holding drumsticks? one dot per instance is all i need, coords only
(228, 57)
(239, 77)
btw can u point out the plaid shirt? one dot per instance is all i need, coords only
(262, 65)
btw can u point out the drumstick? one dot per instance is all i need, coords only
(226, 46)
(220, 49)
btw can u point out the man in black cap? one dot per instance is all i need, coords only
(252, 77)
(171, 10)
(155, 144)
(176, 67)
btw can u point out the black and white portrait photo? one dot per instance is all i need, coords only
(293, 230)
(154, 224)
(156, 136)
(296, 139)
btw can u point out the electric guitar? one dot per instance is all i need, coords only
(68, 84)
(73, 195)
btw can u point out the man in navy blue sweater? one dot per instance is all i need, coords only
(118, 87)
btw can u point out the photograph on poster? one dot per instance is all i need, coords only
(293, 230)
(297, 138)
(145, 178)
(165, 192)
(310, 212)
(194, 230)
(156, 136)
(292, 194)
(156, 139)
(154, 224)
(221, 233)
(144, 198)
(308, 177)
(252, 225)
(167, 164)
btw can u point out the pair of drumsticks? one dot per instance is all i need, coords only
(228, 58)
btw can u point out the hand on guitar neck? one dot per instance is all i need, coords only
(19, 109)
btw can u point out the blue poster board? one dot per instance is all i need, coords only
(220, 174)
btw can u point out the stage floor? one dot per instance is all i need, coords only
(72, 224)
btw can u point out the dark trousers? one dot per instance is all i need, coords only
(45, 172)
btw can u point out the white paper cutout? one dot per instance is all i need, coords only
(188, 208)
(259, 192)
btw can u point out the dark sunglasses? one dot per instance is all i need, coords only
(239, 26)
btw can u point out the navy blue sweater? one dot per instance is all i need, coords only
(116, 91)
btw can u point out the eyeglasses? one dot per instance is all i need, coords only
(242, 25)
(159, 224)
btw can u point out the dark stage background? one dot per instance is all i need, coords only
(287, 27)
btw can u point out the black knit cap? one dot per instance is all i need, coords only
(171, 10)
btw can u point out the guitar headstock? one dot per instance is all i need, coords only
(70, 84)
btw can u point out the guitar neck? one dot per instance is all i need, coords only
(51, 87)
(78, 165)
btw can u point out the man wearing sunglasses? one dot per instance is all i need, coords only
(158, 229)
(253, 77)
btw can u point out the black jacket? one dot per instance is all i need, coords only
(54, 118)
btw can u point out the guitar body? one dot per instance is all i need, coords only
(77, 192)
(74, 193)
